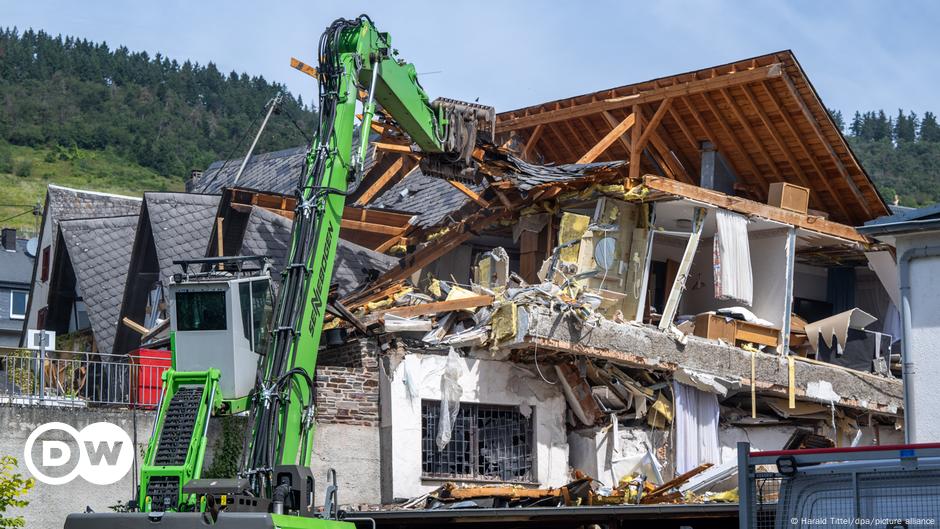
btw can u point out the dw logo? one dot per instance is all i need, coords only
(102, 453)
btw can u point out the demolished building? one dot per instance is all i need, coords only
(635, 280)
(680, 271)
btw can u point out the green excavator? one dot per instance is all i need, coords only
(237, 351)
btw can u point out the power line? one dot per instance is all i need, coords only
(17, 215)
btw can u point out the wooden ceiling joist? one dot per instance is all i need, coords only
(678, 90)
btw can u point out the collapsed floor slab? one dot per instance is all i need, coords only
(647, 347)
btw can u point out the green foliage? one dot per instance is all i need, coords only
(23, 167)
(901, 154)
(12, 489)
(227, 449)
(72, 96)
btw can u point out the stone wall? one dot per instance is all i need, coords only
(348, 384)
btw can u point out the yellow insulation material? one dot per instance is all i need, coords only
(572, 227)
(503, 324)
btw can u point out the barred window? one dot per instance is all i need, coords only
(492, 443)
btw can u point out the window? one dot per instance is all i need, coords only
(18, 299)
(201, 311)
(256, 312)
(45, 264)
(487, 443)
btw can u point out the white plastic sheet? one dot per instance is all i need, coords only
(450, 398)
(732, 258)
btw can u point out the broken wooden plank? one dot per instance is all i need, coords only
(675, 482)
(751, 207)
(381, 182)
(469, 192)
(134, 326)
(675, 294)
(394, 147)
(436, 307)
(304, 67)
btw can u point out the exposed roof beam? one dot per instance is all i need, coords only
(778, 139)
(530, 143)
(825, 141)
(678, 90)
(607, 140)
(612, 121)
(381, 182)
(650, 127)
(713, 139)
(469, 192)
(713, 108)
(742, 119)
(791, 125)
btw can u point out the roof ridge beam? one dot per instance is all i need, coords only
(758, 74)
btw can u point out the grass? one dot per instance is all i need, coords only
(28, 170)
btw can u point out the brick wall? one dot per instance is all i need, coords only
(348, 384)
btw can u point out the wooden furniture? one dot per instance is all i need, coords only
(732, 331)
(789, 197)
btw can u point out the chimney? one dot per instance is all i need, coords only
(716, 174)
(194, 177)
(9, 239)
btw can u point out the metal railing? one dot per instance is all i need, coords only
(878, 486)
(77, 379)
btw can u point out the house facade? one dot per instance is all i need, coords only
(16, 264)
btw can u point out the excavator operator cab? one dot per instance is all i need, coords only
(220, 310)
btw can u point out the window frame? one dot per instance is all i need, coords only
(476, 439)
(14, 316)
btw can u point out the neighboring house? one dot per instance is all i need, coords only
(15, 267)
(87, 283)
(256, 230)
(913, 273)
(61, 204)
(171, 226)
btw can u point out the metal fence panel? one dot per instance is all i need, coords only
(68, 378)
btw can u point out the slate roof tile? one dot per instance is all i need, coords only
(100, 252)
(268, 233)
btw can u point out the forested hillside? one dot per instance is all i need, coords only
(900, 153)
(153, 111)
(74, 111)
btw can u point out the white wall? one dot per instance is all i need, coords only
(592, 451)
(484, 382)
(925, 335)
(768, 268)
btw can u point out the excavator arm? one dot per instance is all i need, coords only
(354, 58)
(274, 486)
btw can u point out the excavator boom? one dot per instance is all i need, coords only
(274, 487)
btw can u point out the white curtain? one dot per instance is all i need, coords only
(696, 421)
(732, 258)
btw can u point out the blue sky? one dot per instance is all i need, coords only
(861, 54)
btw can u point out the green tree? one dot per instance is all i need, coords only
(12, 489)
(929, 129)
